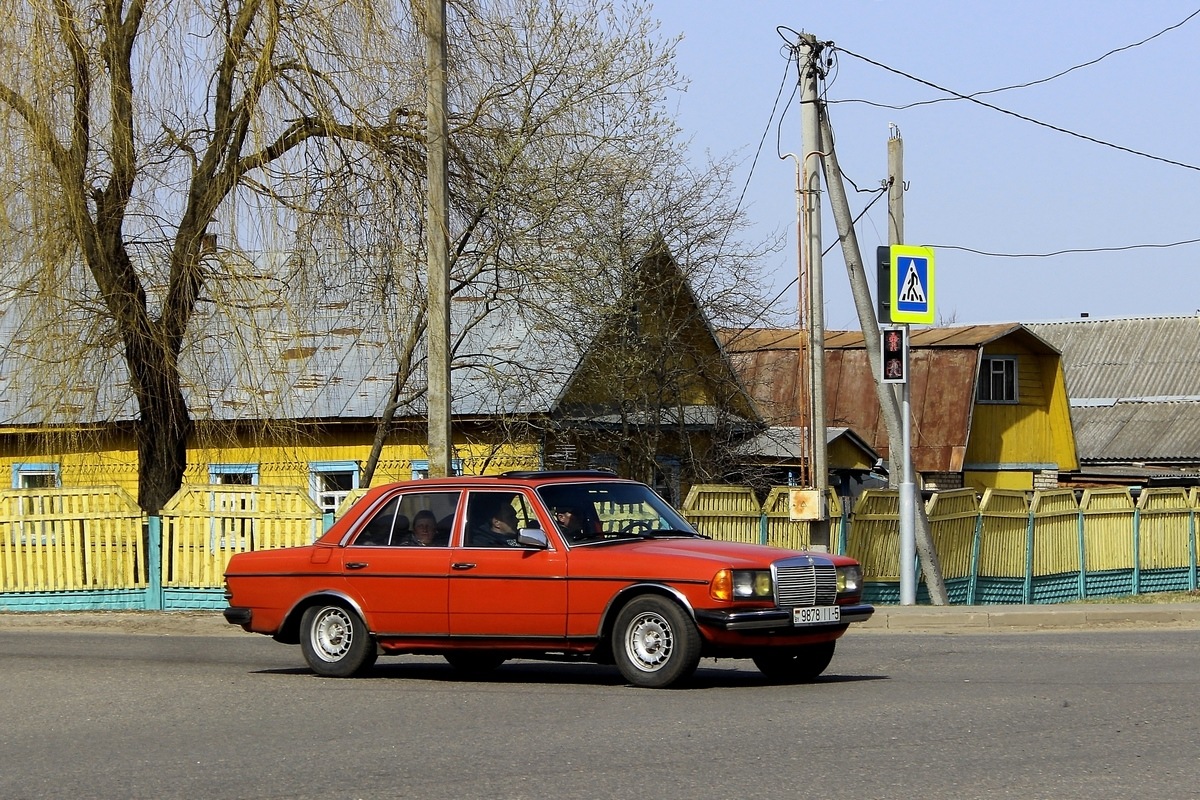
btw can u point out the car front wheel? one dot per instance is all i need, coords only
(335, 641)
(655, 642)
(800, 665)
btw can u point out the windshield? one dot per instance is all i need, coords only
(604, 512)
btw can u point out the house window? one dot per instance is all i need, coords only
(35, 476)
(420, 468)
(233, 474)
(331, 481)
(998, 379)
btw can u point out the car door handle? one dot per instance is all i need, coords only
(462, 565)
(356, 564)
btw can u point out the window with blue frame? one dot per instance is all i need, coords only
(233, 474)
(331, 481)
(36, 476)
(420, 468)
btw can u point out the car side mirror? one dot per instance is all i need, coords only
(533, 537)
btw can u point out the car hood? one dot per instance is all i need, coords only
(698, 558)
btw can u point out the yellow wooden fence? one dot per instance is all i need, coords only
(204, 526)
(96, 539)
(68, 539)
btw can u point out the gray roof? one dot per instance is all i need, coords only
(1134, 386)
(334, 358)
(783, 443)
(1135, 358)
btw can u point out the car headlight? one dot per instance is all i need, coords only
(742, 584)
(849, 579)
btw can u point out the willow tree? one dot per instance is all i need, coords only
(567, 167)
(134, 130)
(155, 149)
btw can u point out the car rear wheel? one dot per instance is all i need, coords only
(335, 641)
(655, 642)
(475, 663)
(800, 665)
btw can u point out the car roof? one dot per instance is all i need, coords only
(528, 478)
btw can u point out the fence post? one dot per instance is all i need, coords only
(1192, 549)
(1029, 555)
(1137, 550)
(973, 578)
(1082, 558)
(154, 576)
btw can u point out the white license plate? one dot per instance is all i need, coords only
(816, 615)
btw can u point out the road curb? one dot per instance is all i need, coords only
(1032, 617)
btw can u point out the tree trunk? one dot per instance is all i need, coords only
(163, 427)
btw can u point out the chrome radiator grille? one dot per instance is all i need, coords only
(805, 584)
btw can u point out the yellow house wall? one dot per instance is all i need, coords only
(111, 459)
(1034, 430)
(1017, 480)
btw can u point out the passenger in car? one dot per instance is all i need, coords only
(499, 528)
(424, 530)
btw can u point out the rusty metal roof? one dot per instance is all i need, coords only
(769, 361)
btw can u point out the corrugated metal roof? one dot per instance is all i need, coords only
(334, 359)
(768, 362)
(969, 336)
(1134, 385)
(1138, 432)
(1129, 359)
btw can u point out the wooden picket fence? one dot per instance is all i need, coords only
(93, 548)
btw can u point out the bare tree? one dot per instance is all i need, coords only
(164, 160)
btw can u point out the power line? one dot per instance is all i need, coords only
(1070, 251)
(1055, 76)
(1022, 117)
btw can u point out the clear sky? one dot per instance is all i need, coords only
(977, 178)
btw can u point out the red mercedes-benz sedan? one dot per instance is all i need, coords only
(555, 565)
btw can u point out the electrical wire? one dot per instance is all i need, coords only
(1052, 254)
(1055, 76)
(1024, 118)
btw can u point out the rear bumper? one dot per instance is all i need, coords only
(236, 615)
(776, 618)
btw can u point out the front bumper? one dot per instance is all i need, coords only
(776, 618)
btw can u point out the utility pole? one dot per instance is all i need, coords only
(810, 134)
(908, 490)
(437, 237)
(861, 292)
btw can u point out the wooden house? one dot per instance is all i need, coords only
(989, 402)
(287, 391)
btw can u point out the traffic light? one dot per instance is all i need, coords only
(883, 284)
(893, 343)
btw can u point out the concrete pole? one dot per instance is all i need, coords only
(437, 235)
(861, 292)
(811, 168)
(908, 493)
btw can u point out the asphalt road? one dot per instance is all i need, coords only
(108, 713)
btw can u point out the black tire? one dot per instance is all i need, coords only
(474, 663)
(655, 642)
(335, 641)
(801, 665)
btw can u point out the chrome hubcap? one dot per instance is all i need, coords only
(649, 642)
(332, 634)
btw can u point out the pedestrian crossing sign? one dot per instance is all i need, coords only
(912, 284)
